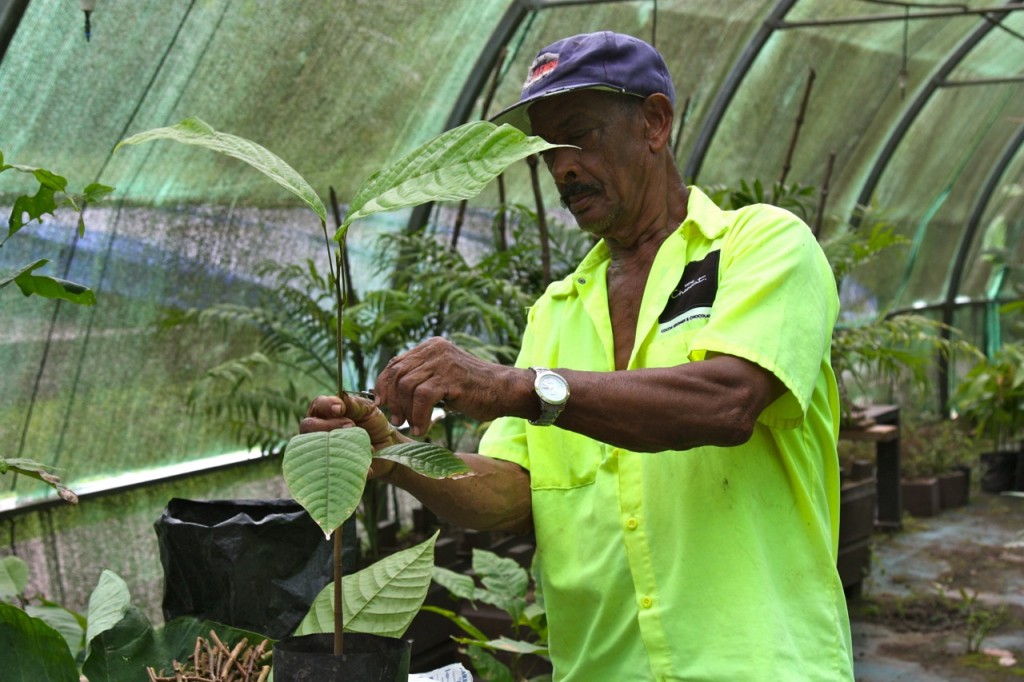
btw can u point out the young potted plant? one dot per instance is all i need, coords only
(991, 398)
(326, 472)
(919, 469)
(943, 449)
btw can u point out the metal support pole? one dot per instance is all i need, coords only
(881, 18)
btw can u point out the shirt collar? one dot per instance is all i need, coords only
(702, 216)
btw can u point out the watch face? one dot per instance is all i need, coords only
(552, 388)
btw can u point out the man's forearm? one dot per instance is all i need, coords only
(495, 497)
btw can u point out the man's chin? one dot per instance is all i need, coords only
(596, 227)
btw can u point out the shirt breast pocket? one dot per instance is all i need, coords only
(560, 460)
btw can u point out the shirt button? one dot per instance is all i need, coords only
(632, 524)
(647, 602)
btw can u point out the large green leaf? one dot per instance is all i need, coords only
(108, 604)
(13, 577)
(381, 599)
(326, 473)
(30, 650)
(197, 132)
(455, 165)
(427, 459)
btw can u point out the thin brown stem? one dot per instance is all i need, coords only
(501, 238)
(819, 217)
(542, 223)
(457, 228)
(797, 125)
(679, 128)
(339, 624)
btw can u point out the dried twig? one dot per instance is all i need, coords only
(213, 661)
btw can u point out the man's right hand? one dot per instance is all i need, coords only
(329, 412)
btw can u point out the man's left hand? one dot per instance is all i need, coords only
(438, 370)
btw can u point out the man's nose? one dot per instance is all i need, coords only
(562, 163)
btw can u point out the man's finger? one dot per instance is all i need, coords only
(425, 396)
(311, 424)
(325, 407)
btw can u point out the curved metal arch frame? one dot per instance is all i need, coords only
(516, 13)
(731, 85)
(10, 19)
(966, 242)
(935, 83)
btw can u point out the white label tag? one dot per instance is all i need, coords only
(450, 673)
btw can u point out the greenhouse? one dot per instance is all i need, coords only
(569, 339)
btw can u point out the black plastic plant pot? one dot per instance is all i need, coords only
(367, 658)
(998, 471)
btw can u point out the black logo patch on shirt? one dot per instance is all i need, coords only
(694, 295)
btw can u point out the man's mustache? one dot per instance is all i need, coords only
(572, 189)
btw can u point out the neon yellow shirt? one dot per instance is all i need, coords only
(711, 563)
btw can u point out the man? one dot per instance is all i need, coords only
(678, 462)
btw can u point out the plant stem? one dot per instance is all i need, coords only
(542, 223)
(338, 288)
(796, 134)
(337, 270)
(339, 624)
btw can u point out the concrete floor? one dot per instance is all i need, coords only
(978, 549)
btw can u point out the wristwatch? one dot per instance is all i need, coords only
(553, 391)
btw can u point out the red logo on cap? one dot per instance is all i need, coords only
(542, 66)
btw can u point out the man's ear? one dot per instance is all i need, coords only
(658, 118)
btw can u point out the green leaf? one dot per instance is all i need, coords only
(40, 472)
(506, 581)
(381, 599)
(199, 133)
(487, 667)
(35, 206)
(93, 192)
(458, 620)
(122, 653)
(69, 624)
(13, 577)
(455, 165)
(178, 638)
(108, 604)
(326, 472)
(514, 646)
(48, 287)
(32, 650)
(459, 584)
(427, 459)
(12, 275)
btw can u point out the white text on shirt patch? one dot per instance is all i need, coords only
(694, 295)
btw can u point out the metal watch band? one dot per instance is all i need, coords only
(549, 410)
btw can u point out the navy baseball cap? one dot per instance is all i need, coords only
(602, 61)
